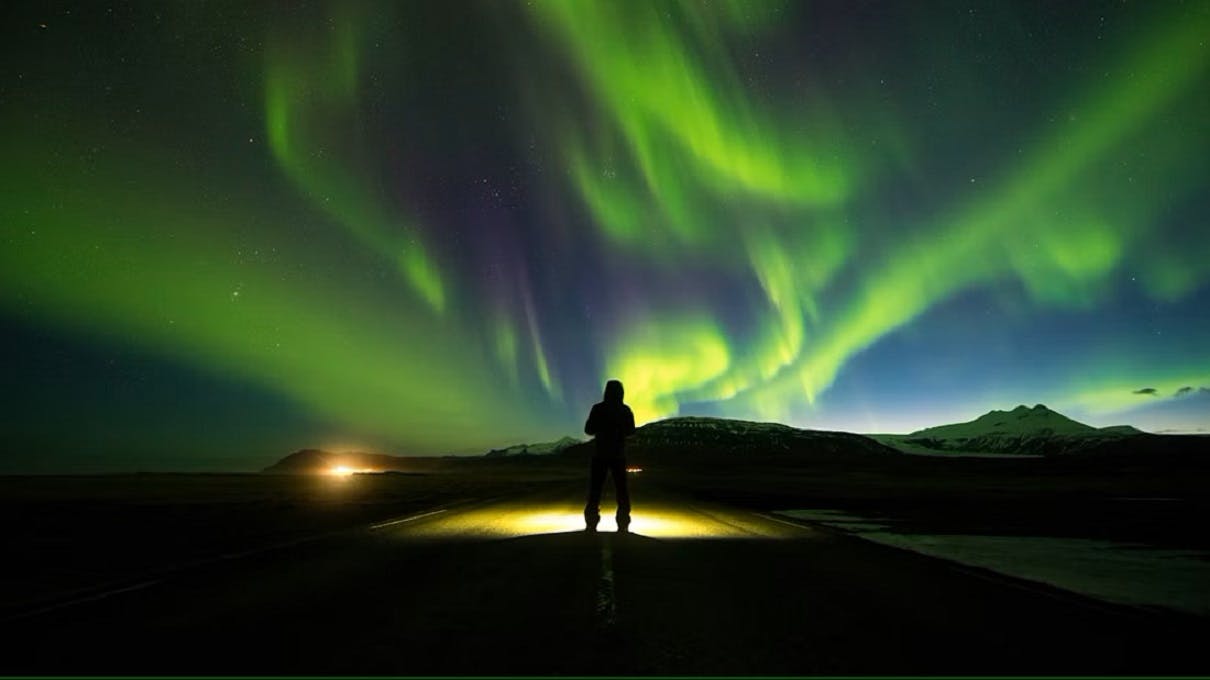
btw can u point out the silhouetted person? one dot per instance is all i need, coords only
(610, 421)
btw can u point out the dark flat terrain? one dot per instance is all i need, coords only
(485, 575)
(79, 533)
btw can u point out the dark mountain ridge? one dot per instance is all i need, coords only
(1026, 431)
(534, 449)
(695, 438)
(685, 439)
(1023, 431)
(317, 461)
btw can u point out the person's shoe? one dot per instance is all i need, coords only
(624, 527)
(590, 529)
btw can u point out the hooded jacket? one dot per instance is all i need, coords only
(610, 421)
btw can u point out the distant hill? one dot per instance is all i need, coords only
(687, 440)
(534, 449)
(1019, 421)
(1022, 431)
(317, 461)
(712, 441)
(693, 439)
(1121, 429)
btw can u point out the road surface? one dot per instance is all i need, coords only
(512, 586)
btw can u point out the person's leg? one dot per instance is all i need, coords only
(596, 480)
(620, 484)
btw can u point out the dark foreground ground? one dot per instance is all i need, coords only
(483, 572)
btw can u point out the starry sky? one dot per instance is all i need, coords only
(230, 230)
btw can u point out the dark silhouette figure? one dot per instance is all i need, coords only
(610, 421)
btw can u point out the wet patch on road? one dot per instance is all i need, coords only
(1121, 572)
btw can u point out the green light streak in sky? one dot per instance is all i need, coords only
(1028, 227)
(756, 237)
(776, 274)
(123, 256)
(697, 144)
(644, 71)
(541, 364)
(1053, 256)
(791, 270)
(660, 358)
(505, 336)
(1051, 223)
(311, 118)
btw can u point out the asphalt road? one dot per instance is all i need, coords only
(512, 586)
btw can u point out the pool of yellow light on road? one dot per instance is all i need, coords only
(512, 520)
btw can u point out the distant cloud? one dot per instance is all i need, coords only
(1149, 391)
(1184, 390)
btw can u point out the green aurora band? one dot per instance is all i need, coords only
(1054, 222)
(104, 255)
(313, 88)
(362, 308)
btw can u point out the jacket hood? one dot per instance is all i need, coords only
(613, 391)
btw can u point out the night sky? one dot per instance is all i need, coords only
(232, 230)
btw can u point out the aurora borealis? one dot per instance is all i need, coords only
(232, 230)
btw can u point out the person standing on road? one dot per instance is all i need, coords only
(610, 421)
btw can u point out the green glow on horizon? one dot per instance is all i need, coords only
(1115, 395)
